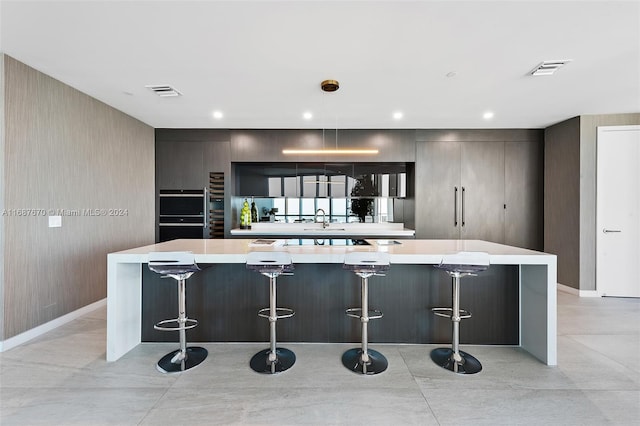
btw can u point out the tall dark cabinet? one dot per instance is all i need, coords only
(185, 159)
(476, 184)
(463, 186)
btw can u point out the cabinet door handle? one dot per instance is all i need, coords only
(463, 206)
(205, 210)
(607, 231)
(455, 206)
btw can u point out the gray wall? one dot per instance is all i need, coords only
(588, 135)
(66, 150)
(570, 195)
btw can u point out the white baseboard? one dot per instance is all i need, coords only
(580, 293)
(21, 338)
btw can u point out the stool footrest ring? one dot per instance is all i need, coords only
(448, 312)
(357, 313)
(280, 313)
(188, 324)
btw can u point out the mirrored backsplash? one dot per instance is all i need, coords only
(313, 180)
(334, 209)
(342, 192)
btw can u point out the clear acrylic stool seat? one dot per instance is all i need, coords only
(179, 266)
(272, 264)
(458, 265)
(364, 360)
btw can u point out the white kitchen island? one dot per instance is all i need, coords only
(536, 281)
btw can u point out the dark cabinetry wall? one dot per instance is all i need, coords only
(501, 169)
(501, 175)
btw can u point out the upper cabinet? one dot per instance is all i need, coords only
(185, 157)
(312, 180)
(181, 165)
(260, 145)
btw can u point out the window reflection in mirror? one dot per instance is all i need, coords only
(293, 192)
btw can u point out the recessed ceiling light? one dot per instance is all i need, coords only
(397, 115)
(487, 115)
(217, 115)
(307, 115)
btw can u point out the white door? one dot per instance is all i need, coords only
(618, 207)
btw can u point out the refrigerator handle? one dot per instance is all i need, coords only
(455, 206)
(205, 213)
(463, 206)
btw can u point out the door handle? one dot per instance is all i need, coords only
(608, 231)
(463, 206)
(455, 206)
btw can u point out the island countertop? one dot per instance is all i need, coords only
(403, 251)
(535, 278)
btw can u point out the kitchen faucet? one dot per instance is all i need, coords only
(324, 218)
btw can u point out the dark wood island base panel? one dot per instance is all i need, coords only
(225, 298)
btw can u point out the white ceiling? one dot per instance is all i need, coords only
(262, 62)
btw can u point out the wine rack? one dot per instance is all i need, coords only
(216, 203)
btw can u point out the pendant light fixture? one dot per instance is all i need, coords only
(330, 86)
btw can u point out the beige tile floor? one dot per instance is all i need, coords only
(62, 378)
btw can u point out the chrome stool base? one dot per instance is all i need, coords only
(273, 359)
(352, 359)
(195, 355)
(179, 266)
(468, 364)
(461, 264)
(284, 360)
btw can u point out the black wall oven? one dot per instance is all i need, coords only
(182, 214)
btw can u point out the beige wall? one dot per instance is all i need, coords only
(570, 195)
(66, 150)
(2, 184)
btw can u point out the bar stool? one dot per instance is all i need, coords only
(458, 265)
(178, 265)
(365, 264)
(271, 264)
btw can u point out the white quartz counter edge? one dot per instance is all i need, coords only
(408, 252)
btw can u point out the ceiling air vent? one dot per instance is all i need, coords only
(549, 67)
(163, 90)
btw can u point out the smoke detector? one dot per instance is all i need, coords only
(163, 90)
(549, 67)
(330, 85)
